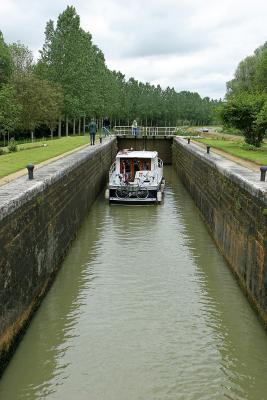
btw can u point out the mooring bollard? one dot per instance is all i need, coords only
(263, 173)
(100, 139)
(188, 140)
(208, 149)
(30, 168)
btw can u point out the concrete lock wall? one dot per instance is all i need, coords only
(233, 203)
(38, 221)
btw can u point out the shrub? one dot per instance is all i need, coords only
(12, 147)
(247, 146)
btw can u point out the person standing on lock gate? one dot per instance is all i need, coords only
(92, 131)
(134, 127)
(106, 126)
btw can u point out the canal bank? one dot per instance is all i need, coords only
(127, 318)
(38, 221)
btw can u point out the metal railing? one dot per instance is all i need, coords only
(146, 130)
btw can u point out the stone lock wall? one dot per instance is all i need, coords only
(233, 203)
(38, 221)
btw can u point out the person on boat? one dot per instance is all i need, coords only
(146, 166)
(106, 126)
(92, 131)
(134, 127)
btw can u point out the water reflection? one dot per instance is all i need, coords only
(144, 307)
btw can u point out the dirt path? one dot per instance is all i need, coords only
(24, 171)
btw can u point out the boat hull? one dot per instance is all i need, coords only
(133, 195)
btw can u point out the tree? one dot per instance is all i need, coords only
(261, 71)
(250, 75)
(53, 105)
(40, 102)
(70, 60)
(22, 58)
(10, 110)
(5, 61)
(62, 60)
(247, 112)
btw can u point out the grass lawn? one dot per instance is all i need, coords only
(235, 148)
(13, 162)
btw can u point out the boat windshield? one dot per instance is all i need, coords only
(130, 166)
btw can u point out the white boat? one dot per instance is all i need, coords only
(136, 177)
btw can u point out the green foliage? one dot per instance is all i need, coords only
(249, 147)
(22, 58)
(250, 75)
(53, 105)
(12, 147)
(10, 109)
(247, 112)
(40, 101)
(5, 61)
(67, 60)
(246, 107)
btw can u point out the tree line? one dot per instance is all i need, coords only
(245, 107)
(70, 83)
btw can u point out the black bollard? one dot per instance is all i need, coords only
(188, 140)
(263, 173)
(30, 168)
(208, 149)
(100, 139)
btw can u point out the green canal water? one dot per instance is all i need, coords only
(143, 308)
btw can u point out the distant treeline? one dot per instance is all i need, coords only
(70, 83)
(246, 99)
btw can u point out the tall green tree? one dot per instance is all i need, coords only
(39, 101)
(10, 110)
(66, 60)
(22, 58)
(247, 112)
(52, 107)
(5, 61)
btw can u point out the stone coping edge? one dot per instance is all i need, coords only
(19, 191)
(244, 177)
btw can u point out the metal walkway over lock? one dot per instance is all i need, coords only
(146, 130)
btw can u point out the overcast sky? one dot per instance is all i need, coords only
(191, 45)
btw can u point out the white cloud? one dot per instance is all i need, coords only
(187, 44)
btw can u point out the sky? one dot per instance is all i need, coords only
(193, 45)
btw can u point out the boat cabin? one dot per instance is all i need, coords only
(128, 162)
(136, 177)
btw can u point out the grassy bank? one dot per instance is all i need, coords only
(36, 153)
(239, 149)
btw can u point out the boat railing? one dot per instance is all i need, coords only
(146, 130)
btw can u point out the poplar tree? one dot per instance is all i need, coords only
(61, 59)
(5, 61)
(10, 110)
